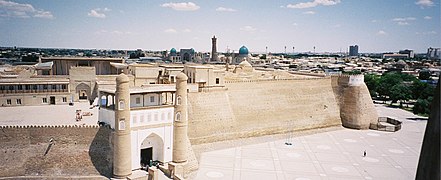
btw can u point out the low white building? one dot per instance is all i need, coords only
(151, 121)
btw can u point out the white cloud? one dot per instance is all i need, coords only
(309, 12)
(171, 31)
(404, 20)
(295, 24)
(374, 21)
(336, 26)
(181, 6)
(13, 9)
(248, 29)
(186, 30)
(381, 32)
(427, 17)
(313, 4)
(98, 12)
(223, 9)
(424, 3)
(44, 14)
(403, 23)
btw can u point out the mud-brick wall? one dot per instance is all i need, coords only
(75, 151)
(256, 108)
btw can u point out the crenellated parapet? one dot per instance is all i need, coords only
(50, 126)
(349, 80)
(266, 80)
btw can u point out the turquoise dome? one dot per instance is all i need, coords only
(243, 50)
(192, 50)
(172, 50)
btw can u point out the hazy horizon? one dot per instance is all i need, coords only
(376, 26)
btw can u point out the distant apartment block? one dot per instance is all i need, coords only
(409, 53)
(353, 50)
(395, 56)
(434, 53)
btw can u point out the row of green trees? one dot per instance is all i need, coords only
(400, 87)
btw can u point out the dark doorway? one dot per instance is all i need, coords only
(187, 57)
(83, 94)
(146, 156)
(52, 100)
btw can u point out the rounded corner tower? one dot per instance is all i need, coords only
(121, 136)
(180, 123)
(357, 111)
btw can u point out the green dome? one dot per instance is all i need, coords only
(173, 51)
(243, 50)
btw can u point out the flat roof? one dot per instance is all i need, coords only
(33, 80)
(151, 88)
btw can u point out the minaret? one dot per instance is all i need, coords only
(214, 56)
(122, 165)
(180, 120)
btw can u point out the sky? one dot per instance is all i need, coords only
(300, 25)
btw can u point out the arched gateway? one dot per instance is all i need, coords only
(151, 149)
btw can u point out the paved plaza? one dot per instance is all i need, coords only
(329, 155)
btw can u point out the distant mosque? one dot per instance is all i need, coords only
(186, 55)
(190, 55)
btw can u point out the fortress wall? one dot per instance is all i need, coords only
(77, 151)
(256, 108)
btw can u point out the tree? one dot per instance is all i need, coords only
(372, 81)
(422, 106)
(421, 90)
(386, 82)
(424, 75)
(400, 92)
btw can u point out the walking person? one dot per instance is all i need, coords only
(364, 153)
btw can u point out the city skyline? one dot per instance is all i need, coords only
(326, 25)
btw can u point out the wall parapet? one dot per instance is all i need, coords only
(48, 126)
(266, 80)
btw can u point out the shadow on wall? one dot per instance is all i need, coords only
(100, 151)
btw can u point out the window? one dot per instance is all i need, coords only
(122, 105)
(217, 80)
(178, 116)
(63, 86)
(27, 87)
(45, 86)
(19, 87)
(64, 99)
(11, 88)
(152, 98)
(8, 101)
(178, 100)
(35, 87)
(44, 100)
(18, 101)
(54, 86)
(138, 100)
